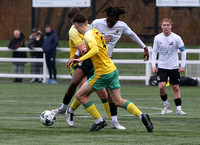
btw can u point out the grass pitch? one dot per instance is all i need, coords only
(21, 105)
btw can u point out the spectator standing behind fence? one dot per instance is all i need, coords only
(49, 48)
(36, 40)
(16, 42)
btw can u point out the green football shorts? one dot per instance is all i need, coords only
(110, 81)
(72, 69)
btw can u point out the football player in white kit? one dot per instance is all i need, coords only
(111, 26)
(112, 29)
(167, 44)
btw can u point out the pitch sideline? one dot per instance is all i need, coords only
(31, 117)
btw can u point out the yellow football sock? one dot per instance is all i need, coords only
(91, 109)
(131, 108)
(75, 104)
(106, 106)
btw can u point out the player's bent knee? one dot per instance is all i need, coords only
(175, 88)
(162, 86)
(80, 95)
(118, 103)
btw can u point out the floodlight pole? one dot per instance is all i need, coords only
(156, 19)
(33, 18)
(93, 9)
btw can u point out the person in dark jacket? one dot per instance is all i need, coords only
(49, 48)
(36, 40)
(16, 42)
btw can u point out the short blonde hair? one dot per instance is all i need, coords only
(166, 19)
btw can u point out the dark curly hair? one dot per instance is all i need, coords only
(114, 12)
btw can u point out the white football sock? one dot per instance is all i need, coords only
(100, 119)
(63, 107)
(165, 102)
(178, 107)
(114, 118)
(140, 116)
(71, 110)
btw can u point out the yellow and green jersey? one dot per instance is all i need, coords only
(98, 52)
(75, 39)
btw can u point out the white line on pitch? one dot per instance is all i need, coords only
(36, 117)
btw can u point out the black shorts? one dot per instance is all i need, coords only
(87, 67)
(163, 74)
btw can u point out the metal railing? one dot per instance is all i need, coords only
(45, 75)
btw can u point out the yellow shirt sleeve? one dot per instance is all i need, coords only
(75, 39)
(92, 45)
(75, 36)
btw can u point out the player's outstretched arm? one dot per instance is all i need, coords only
(135, 38)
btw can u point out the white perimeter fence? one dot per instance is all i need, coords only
(124, 65)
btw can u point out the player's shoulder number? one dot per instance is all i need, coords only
(102, 39)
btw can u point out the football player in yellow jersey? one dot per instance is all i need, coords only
(78, 72)
(105, 75)
(76, 42)
(111, 27)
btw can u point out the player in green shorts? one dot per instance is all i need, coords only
(105, 75)
(78, 72)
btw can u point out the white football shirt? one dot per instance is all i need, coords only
(116, 32)
(167, 46)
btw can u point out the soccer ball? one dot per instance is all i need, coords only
(47, 118)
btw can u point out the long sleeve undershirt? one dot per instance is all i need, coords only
(135, 38)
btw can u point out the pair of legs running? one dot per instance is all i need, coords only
(113, 111)
(79, 78)
(110, 81)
